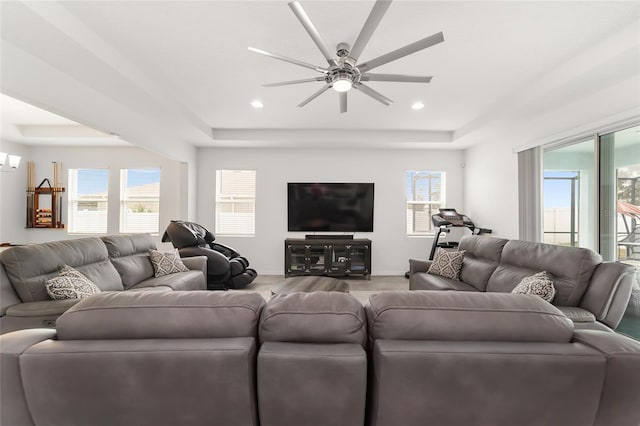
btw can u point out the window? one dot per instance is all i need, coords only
(88, 199)
(235, 202)
(425, 195)
(139, 200)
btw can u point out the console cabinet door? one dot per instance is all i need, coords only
(305, 259)
(359, 259)
(295, 259)
(338, 255)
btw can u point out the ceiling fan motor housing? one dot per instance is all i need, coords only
(342, 50)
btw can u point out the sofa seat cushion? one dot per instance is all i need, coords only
(317, 317)
(157, 288)
(43, 307)
(596, 325)
(190, 280)
(436, 282)
(162, 315)
(577, 314)
(449, 315)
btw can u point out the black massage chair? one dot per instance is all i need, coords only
(225, 267)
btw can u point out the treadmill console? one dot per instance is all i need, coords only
(450, 217)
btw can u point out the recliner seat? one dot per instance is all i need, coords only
(226, 268)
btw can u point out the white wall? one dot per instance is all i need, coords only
(391, 247)
(491, 190)
(12, 194)
(13, 207)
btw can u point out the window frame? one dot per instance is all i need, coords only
(442, 203)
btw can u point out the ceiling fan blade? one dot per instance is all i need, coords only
(315, 95)
(402, 52)
(285, 83)
(378, 11)
(313, 32)
(287, 59)
(343, 102)
(375, 95)
(400, 78)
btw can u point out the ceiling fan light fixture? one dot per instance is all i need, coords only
(417, 105)
(257, 104)
(342, 85)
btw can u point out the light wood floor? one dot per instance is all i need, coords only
(360, 288)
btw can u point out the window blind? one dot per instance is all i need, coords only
(235, 202)
(140, 200)
(424, 192)
(88, 201)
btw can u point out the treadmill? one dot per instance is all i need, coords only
(444, 221)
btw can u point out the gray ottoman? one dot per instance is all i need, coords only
(309, 284)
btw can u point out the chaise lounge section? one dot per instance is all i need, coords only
(593, 293)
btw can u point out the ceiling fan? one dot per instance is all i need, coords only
(344, 71)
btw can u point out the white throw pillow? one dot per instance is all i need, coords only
(166, 263)
(538, 284)
(70, 284)
(447, 264)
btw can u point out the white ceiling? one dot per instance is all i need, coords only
(185, 66)
(27, 124)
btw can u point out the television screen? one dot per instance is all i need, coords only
(336, 207)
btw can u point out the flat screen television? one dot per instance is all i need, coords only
(334, 207)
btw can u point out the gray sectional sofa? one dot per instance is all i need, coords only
(113, 263)
(593, 293)
(433, 358)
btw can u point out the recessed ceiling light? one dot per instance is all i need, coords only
(417, 105)
(257, 104)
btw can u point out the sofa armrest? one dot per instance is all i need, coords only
(13, 404)
(417, 265)
(8, 295)
(619, 400)
(609, 291)
(196, 263)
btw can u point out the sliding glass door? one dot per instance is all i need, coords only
(620, 196)
(569, 195)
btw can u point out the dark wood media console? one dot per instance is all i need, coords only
(327, 256)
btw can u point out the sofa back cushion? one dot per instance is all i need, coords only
(162, 315)
(465, 316)
(481, 258)
(570, 268)
(317, 317)
(130, 256)
(30, 266)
